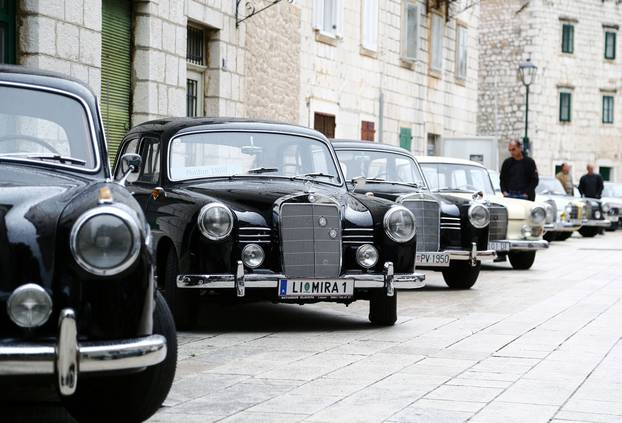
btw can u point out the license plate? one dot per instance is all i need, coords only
(499, 245)
(316, 288)
(432, 259)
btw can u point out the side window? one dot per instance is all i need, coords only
(129, 147)
(150, 169)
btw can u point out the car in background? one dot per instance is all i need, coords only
(594, 218)
(611, 201)
(569, 210)
(452, 232)
(246, 210)
(516, 229)
(80, 312)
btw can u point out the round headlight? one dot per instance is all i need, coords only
(537, 216)
(253, 256)
(367, 256)
(606, 207)
(479, 216)
(105, 241)
(215, 221)
(399, 224)
(525, 231)
(597, 214)
(568, 209)
(29, 306)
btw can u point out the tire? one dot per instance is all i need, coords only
(522, 260)
(461, 275)
(588, 232)
(134, 397)
(183, 304)
(550, 236)
(562, 236)
(383, 309)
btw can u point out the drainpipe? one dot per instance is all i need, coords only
(380, 116)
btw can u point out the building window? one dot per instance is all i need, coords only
(406, 138)
(196, 59)
(605, 172)
(410, 31)
(7, 31)
(370, 25)
(568, 38)
(565, 107)
(433, 144)
(610, 45)
(328, 17)
(462, 39)
(368, 131)
(436, 42)
(607, 109)
(325, 123)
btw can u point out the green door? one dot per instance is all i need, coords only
(406, 137)
(116, 71)
(7, 31)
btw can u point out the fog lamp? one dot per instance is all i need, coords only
(367, 256)
(29, 306)
(525, 231)
(253, 256)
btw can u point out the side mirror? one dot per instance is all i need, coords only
(130, 163)
(359, 182)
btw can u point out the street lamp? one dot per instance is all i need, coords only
(527, 72)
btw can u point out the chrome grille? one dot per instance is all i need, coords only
(498, 227)
(308, 251)
(427, 217)
(254, 235)
(588, 211)
(358, 236)
(451, 223)
(574, 213)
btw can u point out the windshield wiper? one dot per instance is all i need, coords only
(55, 157)
(260, 170)
(448, 189)
(384, 181)
(313, 175)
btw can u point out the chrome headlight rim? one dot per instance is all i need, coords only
(535, 219)
(359, 252)
(29, 287)
(245, 250)
(129, 222)
(203, 229)
(475, 224)
(386, 221)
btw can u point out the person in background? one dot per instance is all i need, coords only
(565, 178)
(519, 174)
(591, 184)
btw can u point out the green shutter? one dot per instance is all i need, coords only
(605, 172)
(565, 107)
(116, 71)
(7, 31)
(610, 45)
(406, 138)
(567, 38)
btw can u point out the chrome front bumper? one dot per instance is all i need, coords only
(67, 357)
(593, 223)
(240, 281)
(525, 244)
(564, 226)
(472, 255)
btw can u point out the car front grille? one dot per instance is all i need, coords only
(310, 240)
(254, 235)
(450, 223)
(498, 227)
(358, 236)
(427, 217)
(574, 213)
(588, 211)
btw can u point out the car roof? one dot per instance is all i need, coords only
(341, 144)
(449, 160)
(29, 76)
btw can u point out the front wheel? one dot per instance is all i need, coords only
(588, 232)
(383, 309)
(562, 236)
(522, 260)
(134, 397)
(182, 303)
(461, 275)
(549, 236)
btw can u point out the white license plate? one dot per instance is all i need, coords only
(432, 259)
(499, 245)
(316, 288)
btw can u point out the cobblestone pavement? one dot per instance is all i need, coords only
(532, 346)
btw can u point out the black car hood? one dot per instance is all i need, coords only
(31, 202)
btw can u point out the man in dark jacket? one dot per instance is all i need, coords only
(591, 184)
(519, 174)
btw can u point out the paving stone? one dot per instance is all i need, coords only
(514, 413)
(464, 393)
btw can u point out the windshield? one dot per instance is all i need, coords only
(494, 178)
(43, 126)
(226, 154)
(381, 165)
(550, 186)
(612, 190)
(457, 177)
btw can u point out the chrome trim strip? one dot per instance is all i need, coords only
(525, 245)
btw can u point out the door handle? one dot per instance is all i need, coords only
(157, 192)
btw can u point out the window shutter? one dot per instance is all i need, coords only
(406, 138)
(339, 20)
(410, 32)
(370, 25)
(7, 31)
(318, 14)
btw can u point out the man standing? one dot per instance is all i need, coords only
(565, 178)
(519, 174)
(591, 184)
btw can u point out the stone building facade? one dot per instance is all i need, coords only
(574, 111)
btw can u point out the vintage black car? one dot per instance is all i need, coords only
(78, 306)
(243, 209)
(452, 232)
(595, 220)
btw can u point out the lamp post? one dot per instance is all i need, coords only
(527, 73)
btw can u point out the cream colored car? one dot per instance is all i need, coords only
(516, 230)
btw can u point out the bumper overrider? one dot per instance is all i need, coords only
(594, 223)
(240, 281)
(67, 358)
(564, 226)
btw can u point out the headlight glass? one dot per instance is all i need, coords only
(538, 216)
(367, 256)
(105, 241)
(253, 256)
(479, 216)
(399, 224)
(215, 221)
(29, 306)
(606, 207)
(597, 214)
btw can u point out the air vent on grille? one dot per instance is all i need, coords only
(254, 235)
(452, 223)
(358, 236)
(498, 227)
(427, 218)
